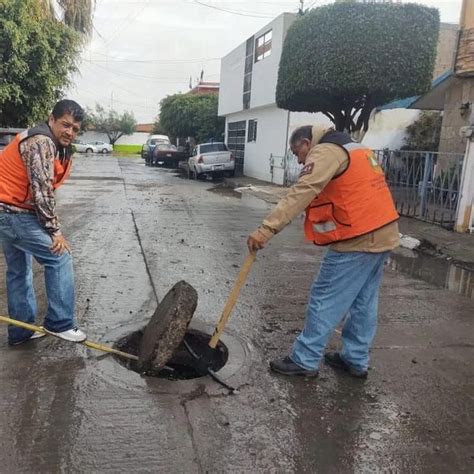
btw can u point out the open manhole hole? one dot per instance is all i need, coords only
(182, 365)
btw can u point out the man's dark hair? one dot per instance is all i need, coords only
(66, 106)
(305, 132)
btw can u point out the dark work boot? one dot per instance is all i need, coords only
(335, 360)
(287, 367)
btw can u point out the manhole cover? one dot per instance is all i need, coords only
(181, 366)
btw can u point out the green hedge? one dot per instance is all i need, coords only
(133, 149)
(336, 54)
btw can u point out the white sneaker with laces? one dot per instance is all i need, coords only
(71, 335)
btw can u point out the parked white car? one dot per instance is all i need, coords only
(93, 147)
(211, 159)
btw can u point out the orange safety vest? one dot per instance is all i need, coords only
(354, 203)
(14, 182)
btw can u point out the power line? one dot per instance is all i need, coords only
(127, 21)
(162, 61)
(138, 76)
(233, 12)
(95, 96)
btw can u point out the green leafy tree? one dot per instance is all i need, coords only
(110, 122)
(424, 133)
(37, 56)
(347, 58)
(77, 13)
(192, 115)
(157, 127)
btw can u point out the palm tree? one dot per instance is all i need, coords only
(77, 13)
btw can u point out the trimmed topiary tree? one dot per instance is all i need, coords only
(346, 59)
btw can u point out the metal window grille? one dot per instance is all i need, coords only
(236, 143)
(247, 89)
(252, 131)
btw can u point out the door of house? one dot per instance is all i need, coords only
(236, 144)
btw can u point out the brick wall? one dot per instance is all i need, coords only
(461, 91)
(448, 36)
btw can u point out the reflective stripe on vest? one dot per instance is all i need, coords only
(356, 202)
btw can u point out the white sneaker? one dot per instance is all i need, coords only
(71, 335)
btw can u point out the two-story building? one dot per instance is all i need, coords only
(257, 131)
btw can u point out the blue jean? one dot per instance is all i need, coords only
(22, 238)
(347, 285)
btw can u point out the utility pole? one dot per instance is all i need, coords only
(112, 100)
(301, 7)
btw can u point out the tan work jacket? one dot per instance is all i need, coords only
(328, 161)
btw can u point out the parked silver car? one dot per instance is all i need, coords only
(211, 159)
(92, 147)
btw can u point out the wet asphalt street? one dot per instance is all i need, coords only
(135, 231)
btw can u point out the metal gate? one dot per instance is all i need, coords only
(425, 185)
(236, 144)
(287, 166)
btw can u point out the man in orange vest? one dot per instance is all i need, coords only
(350, 208)
(32, 167)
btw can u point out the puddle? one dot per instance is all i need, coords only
(437, 271)
(182, 365)
(246, 198)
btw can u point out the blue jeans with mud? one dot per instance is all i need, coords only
(347, 286)
(23, 238)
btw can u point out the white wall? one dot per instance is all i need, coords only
(265, 72)
(135, 139)
(271, 139)
(387, 128)
(232, 81)
(299, 119)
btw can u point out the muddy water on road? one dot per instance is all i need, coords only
(434, 270)
(61, 412)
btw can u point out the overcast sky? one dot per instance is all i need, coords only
(144, 50)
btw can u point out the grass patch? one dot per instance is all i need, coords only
(131, 149)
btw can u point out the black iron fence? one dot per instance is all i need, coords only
(425, 185)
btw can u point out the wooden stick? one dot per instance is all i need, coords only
(90, 344)
(241, 279)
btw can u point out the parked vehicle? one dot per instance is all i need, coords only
(211, 159)
(166, 154)
(7, 135)
(103, 147)
(149, 146)
(92, 147)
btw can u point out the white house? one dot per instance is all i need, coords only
(257, 131)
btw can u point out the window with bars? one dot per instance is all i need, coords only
(263, 46)
(252, 131)
(236, 143)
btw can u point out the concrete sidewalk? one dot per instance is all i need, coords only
(435, 240)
